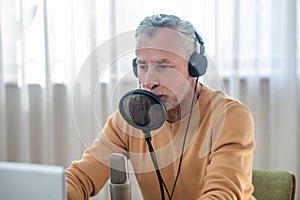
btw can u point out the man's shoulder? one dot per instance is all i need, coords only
(220, 100)
(220, 94)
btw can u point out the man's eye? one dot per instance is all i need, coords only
(162, 67)
(143, 67)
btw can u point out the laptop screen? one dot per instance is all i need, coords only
(31, 181)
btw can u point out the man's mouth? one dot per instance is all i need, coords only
(162, 97)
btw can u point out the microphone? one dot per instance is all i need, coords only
(119, 182)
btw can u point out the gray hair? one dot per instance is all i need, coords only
(150, 24)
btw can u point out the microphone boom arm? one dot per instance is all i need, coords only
(162, 184)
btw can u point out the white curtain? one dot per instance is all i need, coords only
(47, 108)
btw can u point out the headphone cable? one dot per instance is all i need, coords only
(154, 159)
(184, 139)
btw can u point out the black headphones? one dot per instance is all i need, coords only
(197, 63)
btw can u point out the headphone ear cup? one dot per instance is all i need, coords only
(134, 67)
(197, 65)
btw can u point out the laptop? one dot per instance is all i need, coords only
(31, 181)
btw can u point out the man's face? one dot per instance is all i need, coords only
(162, 68)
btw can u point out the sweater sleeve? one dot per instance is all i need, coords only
(229, 173)
(86, 177)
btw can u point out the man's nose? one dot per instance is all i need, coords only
(151, 78)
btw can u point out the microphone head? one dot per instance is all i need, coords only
(119, 182)
(143, 110)
(118, 169)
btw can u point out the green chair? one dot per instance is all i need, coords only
(273, 185)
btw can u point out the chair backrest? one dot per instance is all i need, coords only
(273, 185)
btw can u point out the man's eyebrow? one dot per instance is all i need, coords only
(141, 62)
(164, 60)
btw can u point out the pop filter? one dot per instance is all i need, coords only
(143, 110)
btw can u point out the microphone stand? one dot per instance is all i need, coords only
(154, 160)
(144, 121)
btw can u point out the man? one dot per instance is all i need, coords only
(204, 149)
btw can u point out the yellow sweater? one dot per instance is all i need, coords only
(217, 162)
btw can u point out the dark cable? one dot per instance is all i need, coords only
(184, 139)
(154, 160)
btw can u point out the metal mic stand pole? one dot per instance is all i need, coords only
(154, 160)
